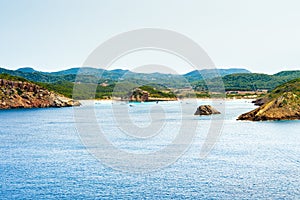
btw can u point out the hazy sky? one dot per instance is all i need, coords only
(49, 35)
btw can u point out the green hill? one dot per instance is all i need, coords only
(197, 75)
(233, 80)
(106, 91)
(12, 78)
(103, 91)
(250, 81)
(291, 86)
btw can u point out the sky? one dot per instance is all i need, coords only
(260, 35)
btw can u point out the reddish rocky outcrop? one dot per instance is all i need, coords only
(139, 95)
(18, 94)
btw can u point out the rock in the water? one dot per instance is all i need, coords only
(260, 101)
(206, 110)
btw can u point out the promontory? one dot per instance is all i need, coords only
(282, 103)
(17, 92)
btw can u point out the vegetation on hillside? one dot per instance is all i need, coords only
(291, 86)
(118, 82)
(248, 81)
(12, 78)
(91, 91)
(156, 93)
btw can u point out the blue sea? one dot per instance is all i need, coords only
(42, 155)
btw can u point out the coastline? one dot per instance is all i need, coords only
(178, 100)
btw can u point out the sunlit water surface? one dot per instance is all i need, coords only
(42, 156)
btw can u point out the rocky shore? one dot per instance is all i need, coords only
(280, 108)
(283, 103)
(19, 94)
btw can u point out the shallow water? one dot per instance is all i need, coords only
(42, 156)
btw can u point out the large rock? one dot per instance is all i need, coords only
(206, 110)
(260, 101)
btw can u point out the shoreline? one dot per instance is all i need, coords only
(233, 99)
(186, 99)
(111, 101)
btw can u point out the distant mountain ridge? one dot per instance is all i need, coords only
(211, 73)
(233, 79)
(26, 69)
(91, 71)
(116, 74)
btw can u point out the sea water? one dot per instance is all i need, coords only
(43, 157)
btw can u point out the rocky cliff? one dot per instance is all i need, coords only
(283, 103)
(23, 94)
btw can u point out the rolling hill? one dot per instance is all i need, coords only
(250, 81)
(233, 79)
(197, 75)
